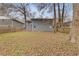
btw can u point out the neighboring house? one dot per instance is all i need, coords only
(38, 24)
(6, 22)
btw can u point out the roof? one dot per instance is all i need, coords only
(43, 20)
(28, 19)
(18, 21)
(40, 19)
(4, 17)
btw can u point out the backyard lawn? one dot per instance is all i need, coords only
(36, 43)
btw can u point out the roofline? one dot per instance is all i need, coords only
(18, 21)
(41, 19)
(14, 19)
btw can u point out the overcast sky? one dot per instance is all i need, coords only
(50, 15)
(33, 9)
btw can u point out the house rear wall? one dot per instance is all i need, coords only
(40, 26)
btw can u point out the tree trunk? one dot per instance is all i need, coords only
(25, 22)
(63, 10)
(72, 32)
(54, 17)
(73, 24)
(59, 16)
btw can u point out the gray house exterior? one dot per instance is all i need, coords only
(43, 24)
(40, 25)
(34, 24)
(6, 22)
(17, 24)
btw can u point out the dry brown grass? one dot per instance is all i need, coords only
(36, 43)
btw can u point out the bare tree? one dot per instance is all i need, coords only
(63, 10)
(4, 8)
(42, 7)
(22, 8)
(59, 15)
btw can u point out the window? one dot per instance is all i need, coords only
(34, 26)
